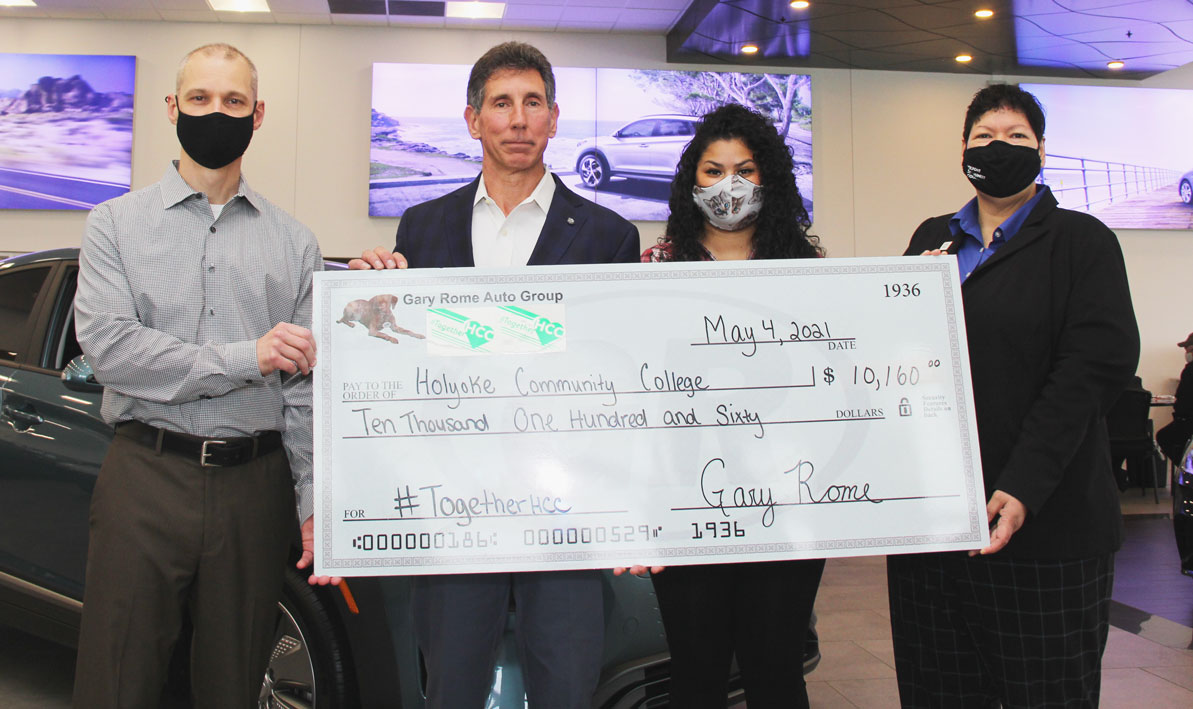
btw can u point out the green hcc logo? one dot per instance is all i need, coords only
(478, 334)
(547, 329)
(529, 327)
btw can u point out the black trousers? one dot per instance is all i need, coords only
(757, 612)
(169, 536)
(978, 631)
(559, 629)
(1174, 437)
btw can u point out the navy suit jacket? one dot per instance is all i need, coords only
(439, 233)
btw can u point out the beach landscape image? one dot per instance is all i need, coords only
(420, 147)
(1132, 168)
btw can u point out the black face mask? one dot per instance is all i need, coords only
(1000, 169)
(216, 139)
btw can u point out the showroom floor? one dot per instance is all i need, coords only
(1150, 662)
(1149, 658)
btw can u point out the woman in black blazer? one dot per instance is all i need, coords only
(1052, 341)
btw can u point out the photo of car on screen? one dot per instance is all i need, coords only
(1185, 188)
(646, 148)
(619, 138)
(66, 129)
(1132, 166)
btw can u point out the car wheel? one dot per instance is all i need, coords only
(594, 171)
(308, 665)
(1186, 192)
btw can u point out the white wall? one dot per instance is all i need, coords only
(886, 144)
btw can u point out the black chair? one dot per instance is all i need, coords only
(1131, 440)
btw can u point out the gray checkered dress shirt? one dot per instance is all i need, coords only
(171, 303)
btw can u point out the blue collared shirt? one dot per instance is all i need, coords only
(965, 226)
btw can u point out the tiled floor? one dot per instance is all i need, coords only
(858, 668)
(1152, 666)
(1144, 568)
(1148, 660)
(1144, 572)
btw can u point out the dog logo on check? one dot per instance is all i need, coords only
(376, 313)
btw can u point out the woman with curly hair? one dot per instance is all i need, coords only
(750, 208)
(734, 197)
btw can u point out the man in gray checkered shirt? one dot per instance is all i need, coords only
(193, 306)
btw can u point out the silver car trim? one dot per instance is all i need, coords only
(32, 589)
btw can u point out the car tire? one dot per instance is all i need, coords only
(1186, 192)
(593, 170)
(308, 664)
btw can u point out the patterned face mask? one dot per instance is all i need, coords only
(731, 204)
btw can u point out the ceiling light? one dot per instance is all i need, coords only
(749, 49)
(1116, 64)
(475, 10)
(238, 5)
(984, 14)
(800, 4)
(17, 3)
(964, 58)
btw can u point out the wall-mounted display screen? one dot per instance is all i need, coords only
(619, 137)
(1124, 155)
(66, 129)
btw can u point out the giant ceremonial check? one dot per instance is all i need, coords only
(571, 417)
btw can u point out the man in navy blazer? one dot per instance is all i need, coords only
(439, 233)
(515, 212)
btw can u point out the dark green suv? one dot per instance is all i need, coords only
(333, 647)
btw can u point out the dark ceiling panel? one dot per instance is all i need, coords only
(936, 17)
(1031, 37)
(884, 40)
(861, 22)
(356, 7)
(397, 8)
(416, 9)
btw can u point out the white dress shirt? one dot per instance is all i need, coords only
(501, 240)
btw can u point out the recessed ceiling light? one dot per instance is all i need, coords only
(1116, 64)
(984, 14)
(475, 10)
(239, 5)
(17, 3)
(800, 4)
(964, 58)
(749, 49)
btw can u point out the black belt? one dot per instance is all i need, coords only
(207, 452)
